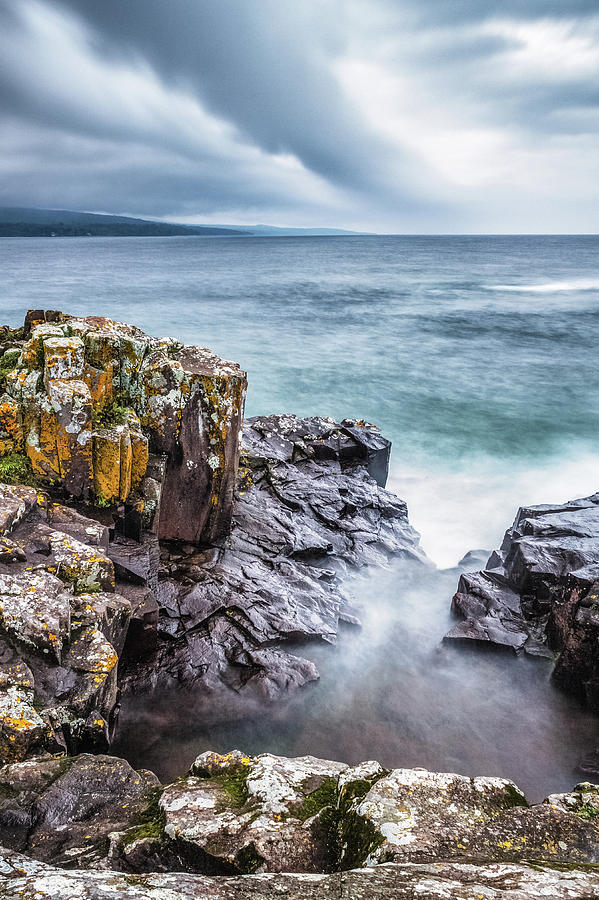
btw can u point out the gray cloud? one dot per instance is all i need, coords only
(389, 114)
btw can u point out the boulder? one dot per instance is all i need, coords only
(539, 593)
(246, 815)
(63, 810)
(414, 814)
(22, 729)
(86, 568)
(35, 610)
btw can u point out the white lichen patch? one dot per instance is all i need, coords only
(35, 609)
(276, 782)
(362, 772)
(88, 568)
(400, 832)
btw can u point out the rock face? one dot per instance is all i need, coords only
(307, 510)
(539, 593)
(234, 814)
(173, 566)
(90, 400)
(62, 627)
(24, 879)
(62, 810)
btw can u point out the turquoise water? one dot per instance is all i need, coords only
(477, 357)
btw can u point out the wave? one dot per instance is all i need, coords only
(549, 287)
(457, 508)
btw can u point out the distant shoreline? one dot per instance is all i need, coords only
(25, 229)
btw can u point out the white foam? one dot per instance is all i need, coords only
(456, 510)
(549, 287)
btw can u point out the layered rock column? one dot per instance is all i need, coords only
(89, 401)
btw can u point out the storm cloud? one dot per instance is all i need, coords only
(390, 115)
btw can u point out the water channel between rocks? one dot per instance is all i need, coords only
(389, 691)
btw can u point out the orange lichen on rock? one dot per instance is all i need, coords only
(91, 401)
(112, 463)
(100, 384)
(11, 425)
(41, 445)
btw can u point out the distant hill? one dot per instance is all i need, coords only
(277, 231)
(17, 221)
(21, 221)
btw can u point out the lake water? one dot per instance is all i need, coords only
(477, 357)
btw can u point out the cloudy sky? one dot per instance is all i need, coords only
(386, 115)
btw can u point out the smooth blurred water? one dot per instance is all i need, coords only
(476, 355)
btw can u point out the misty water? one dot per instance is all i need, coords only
(477, 357)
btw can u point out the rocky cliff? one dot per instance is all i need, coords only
(141, 556)
(148, 546)
(539, 593)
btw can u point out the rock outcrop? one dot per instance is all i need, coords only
(539, 593)
(238, 815)
(142, 556)
(307, 511)
(63, 627)
(22, 878)
(89, 401)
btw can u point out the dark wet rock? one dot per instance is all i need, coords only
(69, 521)
(306, 513)
(539, 593)
(491, 610)
(222, 573)
(78, 595)
(473, 559)
(62, 810)
(136, 561)
(215, 573)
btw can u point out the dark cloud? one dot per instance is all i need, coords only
(394, 114)
(264, 66)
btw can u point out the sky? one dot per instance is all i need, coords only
(403, 116)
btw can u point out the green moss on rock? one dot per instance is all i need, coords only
(248, 860)
(234, 784)
(115, 414)
(8, 362)
(324, 795)
(587, 811)
(15, 468)
(514, 797)
(149, 823)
